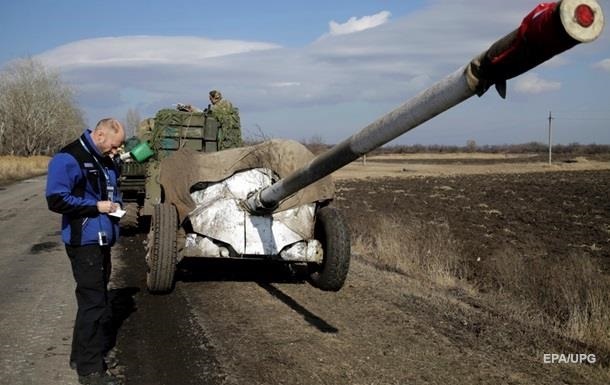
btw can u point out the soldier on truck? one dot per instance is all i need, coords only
(229, 135)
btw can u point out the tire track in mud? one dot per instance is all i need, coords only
(158, 342)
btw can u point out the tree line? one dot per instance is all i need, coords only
(317, 146)
(38, 113)
(520, 148)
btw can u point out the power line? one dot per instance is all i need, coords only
(550, 137)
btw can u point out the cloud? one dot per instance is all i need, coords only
(603, 65)
(146, 50)
(378, 65)
(356, 25)
(374, 70)
(531, 83)
(285, 84)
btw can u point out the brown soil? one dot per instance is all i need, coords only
(539, 214)
(262, 324)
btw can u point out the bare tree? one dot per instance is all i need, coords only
(132, 122)
(38, 113)
(315, 144)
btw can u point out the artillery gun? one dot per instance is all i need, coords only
(273, 201)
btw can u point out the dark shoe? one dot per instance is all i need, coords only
(99, 378)
(110, 360)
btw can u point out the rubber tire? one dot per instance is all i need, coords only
(162, 249)
(332, 231)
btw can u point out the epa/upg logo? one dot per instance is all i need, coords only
(572, 358)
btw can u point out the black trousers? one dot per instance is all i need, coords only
(90, 340)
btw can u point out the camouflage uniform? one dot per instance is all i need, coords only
(229, 134)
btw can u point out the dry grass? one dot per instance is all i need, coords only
(411, 247)
(572, 295)
(407, 166)
(16, 168)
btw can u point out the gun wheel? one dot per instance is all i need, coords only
(161, 256)
(332, 231)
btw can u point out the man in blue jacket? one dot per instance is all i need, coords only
(82, 186)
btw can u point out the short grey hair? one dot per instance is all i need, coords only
(109, 123)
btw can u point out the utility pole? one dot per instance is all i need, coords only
(550, 137)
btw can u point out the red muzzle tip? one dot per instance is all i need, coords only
(584, 15)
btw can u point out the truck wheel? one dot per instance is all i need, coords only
(332, 231)
(162, 249)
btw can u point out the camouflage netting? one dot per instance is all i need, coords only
(185, 168)
(171, 126)
(229, 135)
(220, 125)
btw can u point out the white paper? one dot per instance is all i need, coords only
(118, 213)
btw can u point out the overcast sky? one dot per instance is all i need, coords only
(313, 69)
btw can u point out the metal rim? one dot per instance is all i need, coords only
(574, 28)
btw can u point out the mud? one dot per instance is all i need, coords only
(45, 246)
(555, 215)
(239, 322)
(158, 342)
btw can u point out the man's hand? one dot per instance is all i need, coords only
(107, 206)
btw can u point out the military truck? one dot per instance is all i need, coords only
(171, 129)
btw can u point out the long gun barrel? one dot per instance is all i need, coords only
(549, 29)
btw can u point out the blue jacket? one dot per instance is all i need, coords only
(78, 177)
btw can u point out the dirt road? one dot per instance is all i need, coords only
(262, 325)
(243, 323)
(37, 304)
